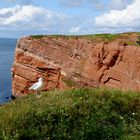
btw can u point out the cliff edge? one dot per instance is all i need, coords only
(77, 61)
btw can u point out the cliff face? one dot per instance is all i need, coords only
(76, 62)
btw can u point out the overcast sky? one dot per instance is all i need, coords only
(24, 17)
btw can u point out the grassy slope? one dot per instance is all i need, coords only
(96, 114)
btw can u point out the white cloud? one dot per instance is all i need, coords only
(98, 4)
(119, 4)
(94, 4)
(29, 17)
(74, 30)
(72, 3)
(26, 2)
(33, 19)
(127, 18)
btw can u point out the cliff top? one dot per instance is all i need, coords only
(130, 38)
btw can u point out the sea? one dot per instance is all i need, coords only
(7, 48)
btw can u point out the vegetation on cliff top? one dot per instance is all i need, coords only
(93, 37)
(85, 114)
(125, 38)
(90, 36)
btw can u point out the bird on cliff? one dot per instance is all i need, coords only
(38, 86)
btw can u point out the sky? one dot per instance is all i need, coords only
(26, 17)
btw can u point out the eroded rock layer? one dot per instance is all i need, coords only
(75, 62)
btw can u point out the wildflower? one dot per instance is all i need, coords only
(121, 117)
(133, 113)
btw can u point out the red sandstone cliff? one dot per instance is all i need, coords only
(76, 61)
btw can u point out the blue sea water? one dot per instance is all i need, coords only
(7, 48)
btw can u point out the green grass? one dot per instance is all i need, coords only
(37, 36)
(104, 37)
(101, 37)
(96, 37)
(69, 82)
(80, 114)
(108, 36)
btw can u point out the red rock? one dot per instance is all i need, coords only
(113, 64)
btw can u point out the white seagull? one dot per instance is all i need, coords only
(38, 86)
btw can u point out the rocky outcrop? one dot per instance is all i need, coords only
(76, 62)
